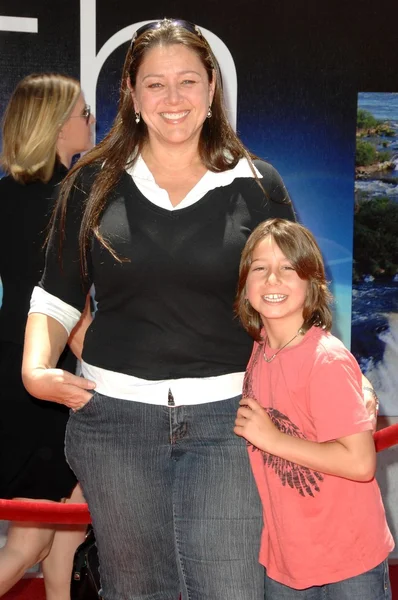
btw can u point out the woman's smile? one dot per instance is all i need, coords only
(174, 117)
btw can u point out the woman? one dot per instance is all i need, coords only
(45, 124)
(156, 217)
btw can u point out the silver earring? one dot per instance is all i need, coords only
(137, 117)
(209, 113)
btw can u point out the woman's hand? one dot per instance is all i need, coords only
(253, 423)
(371, 400)
(45, 338)
(59, 386)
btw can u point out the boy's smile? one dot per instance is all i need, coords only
(273, 287)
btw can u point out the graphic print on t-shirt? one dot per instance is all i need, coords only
(302, 479)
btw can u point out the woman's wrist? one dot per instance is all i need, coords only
(38, 380)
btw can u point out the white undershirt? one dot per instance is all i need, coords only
(191, 390)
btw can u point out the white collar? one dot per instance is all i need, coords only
(147, 185)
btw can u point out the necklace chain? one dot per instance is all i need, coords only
(268, 360)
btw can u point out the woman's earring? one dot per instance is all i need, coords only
(137, 117)
(209, 113)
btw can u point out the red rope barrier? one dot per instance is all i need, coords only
(44, 512)
(385, 438)
(77, 514)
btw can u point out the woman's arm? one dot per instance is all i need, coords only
(281, 205)
(56, 306)
(352, 457)
(45, 338)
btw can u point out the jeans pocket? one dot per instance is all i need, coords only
(86, 407)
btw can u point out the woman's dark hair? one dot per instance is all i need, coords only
(300, 247)
(219, 146)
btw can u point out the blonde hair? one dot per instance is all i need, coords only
(300, 247)
(37, 110)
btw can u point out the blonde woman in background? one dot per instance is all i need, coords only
(45, 124)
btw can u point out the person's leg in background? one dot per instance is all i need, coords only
(218, 514)
(26, 545)
(57, 566)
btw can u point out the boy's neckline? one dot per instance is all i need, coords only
(299, 334)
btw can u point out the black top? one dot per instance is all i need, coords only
(167, 313)
(25, 211)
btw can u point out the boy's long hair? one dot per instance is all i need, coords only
(38, 108)
(299, 246)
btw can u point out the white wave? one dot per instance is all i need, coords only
(384, 375)
(375, 187)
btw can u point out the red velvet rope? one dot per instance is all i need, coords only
(385, 438)
(44, 512)
(77, 514)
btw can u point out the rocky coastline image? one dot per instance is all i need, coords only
(374, 339)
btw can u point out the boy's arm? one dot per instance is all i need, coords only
(352, 456)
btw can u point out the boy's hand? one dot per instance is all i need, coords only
(253, 423)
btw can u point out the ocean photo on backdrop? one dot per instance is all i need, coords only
(374, 338)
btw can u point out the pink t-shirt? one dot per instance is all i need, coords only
(318, 528)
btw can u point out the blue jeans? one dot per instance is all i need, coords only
(372, 585)
(172, 498)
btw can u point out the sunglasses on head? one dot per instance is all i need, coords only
(158, 24)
